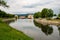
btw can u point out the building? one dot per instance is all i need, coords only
(30, 16)
(22, 17)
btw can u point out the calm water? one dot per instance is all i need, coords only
(37, 31)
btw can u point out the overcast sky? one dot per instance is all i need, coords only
(30, 6)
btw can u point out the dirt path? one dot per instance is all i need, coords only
(44, 21)
(4, 20)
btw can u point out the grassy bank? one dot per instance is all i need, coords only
(8, 33)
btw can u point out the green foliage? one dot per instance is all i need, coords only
(8, 33)
(59, 15)
(48, 30)
(48, 18)
(50, 13)
(5, 15)
(37, 15)
(45, 13)
(3, 3)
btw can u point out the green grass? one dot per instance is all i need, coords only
(8, 33)
(56, 20)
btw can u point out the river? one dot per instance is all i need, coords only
(37, 31)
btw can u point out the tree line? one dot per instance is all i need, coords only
(2, 13)
(45, 13)
(5, 15)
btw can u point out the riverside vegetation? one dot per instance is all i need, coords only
(47, 16)
(6, 32)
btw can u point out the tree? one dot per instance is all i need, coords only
(5, 15)
(3, 3)
(2, 13)
(37, 15)
(59, 15)
(50, 13)
(46, 13)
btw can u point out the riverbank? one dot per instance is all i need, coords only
(8, 19)
(8, 33)
(52, 22)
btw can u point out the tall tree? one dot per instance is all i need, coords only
(46, 13)
(2, 13)
(50, 13)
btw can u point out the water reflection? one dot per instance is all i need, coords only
(8, 22)
(48, 30)
(36, 30)
(59, 29)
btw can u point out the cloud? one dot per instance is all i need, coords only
(37, 4)
(30, 6)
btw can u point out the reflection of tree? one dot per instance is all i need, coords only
(45, 28)
(59, 29)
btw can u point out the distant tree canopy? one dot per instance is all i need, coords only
(45, 13)
(2, 13)
(5, 15)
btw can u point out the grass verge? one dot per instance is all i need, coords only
(8, 33)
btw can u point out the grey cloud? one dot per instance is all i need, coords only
(37, 4)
